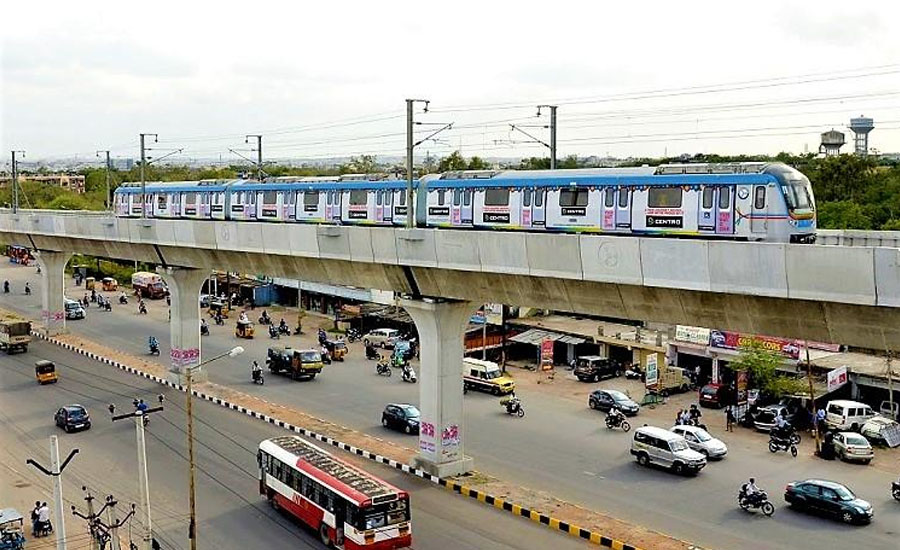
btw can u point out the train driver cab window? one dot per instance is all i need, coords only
(573, 197)
(359, 197)
(759, 197)
(724, 198)
(441, 195)
(664, 197)
(161, 201)
(496, 197)
(707, 200)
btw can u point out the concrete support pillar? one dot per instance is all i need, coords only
(53, 291)
(184, 327)
(441, 327)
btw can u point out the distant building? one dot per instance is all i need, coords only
(831, 143)
(122, 164)
(72, 182)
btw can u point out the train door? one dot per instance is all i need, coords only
(388, 213)
(623, 208)
(724, 211)
(608, 221)
(466, 211)
(538, 208)
(332, 205)
(525, 201)
(379, 206)
(456, 207)
(758, 219)
(706, 211)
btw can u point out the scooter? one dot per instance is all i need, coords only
(265, 320)
(759, 500)
(513, 407)
(142, 309)
(371, 352)
(895, 489)
(123, 300)
(779, 444)
(617, 421)
(353, 335)
(154, 347)
(408, 374)
(107, 306)
(273, 333)
(383, 367)
(257, 377)
(284, 330)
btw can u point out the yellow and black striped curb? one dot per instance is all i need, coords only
(496, 502)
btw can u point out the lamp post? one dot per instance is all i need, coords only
(192, 527)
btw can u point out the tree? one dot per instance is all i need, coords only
(453, 162)
(363, 164)
(761, 364)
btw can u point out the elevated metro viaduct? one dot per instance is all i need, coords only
(849, 295)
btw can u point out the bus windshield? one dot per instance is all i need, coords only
(382, 515)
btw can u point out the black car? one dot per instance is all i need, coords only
(604, 400)
(591, 368)
(828, 498)
(401, 416)
(72, 417)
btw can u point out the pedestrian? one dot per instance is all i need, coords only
(686, 417)
(820, 420)
(93, 295)
(43, 516)
(729, 418)
(168, 300)
(678, 417)
(35, 514)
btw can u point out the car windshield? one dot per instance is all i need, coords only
(844, 493)
(702, 435)
(76, 413)
(491, 374)
(857, 440)
(678, 445)
(708, 390)
(310, 356)
(410, 412)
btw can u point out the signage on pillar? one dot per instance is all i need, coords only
(652, 370)
(426, 437)
(184, 357)
(450, 442)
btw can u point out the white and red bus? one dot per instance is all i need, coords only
(349, 507)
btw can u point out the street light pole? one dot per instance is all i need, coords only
(143, 176)
(189, 409)
(108, 169)
(55, 471)
(15, 180)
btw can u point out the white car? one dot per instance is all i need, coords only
(699, 439)
(382, 337)
(874, 428)
(852, 446)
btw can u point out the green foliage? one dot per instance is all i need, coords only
(456, 162)
(762, 365)
(843, 215)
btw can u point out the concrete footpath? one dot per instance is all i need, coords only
(536, 505)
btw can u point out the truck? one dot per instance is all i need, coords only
(148, 285)
(15, 334)
(672, 380)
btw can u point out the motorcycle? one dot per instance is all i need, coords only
(781, 444)
(107, 306)
(759, 500)
(142, 309)
(257, 377)
(265, 320)
(383, 367)
(273, 333)
(895, 489)
(633, 374)
(43, 529)
(204, 329)
(513, 406)
(123, 300)
(353, 335)
(371, 352)
(284, 330)
(408, 375)
(154, 346)
(617, 421)
(323, 337)
(27, 290)
(220, 320)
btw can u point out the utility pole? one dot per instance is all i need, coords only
(410, 147)
(259, 161)
(812, 398)
(55, 471)
(108, 170)
(143, 176)
(139, 418)
(552, 133)
(484, 332)
(103, 533)
(15, 180)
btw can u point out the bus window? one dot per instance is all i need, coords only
(664, 197)
(496, 197)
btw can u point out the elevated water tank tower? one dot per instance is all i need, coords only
(832, 141)
(861, 127)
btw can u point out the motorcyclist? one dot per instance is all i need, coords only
(750, 491)
(322, 336)
(283, 327)
(219, 319)
(243, 317)
(615, 414)
(511, 402)
(28, 288)
(264, 318)
(273, 332)
(123, 298)
(142, 307)
(695, 415)
(255, 370)
(153, 343)
(781, 427)
(371, 351)
(204, 327)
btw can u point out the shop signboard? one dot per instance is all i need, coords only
(546, 354)
(735, 340)
(652, 370)
(837, 378)
(692, 335)
(741, 387)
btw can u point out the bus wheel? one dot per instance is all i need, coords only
(323, 535)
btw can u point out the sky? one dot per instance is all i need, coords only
(327, 79)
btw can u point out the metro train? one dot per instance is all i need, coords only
(737, 201)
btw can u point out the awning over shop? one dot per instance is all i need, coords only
(536, 336)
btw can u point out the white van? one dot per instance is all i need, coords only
(652, 445)
(847, 415)
(485, 376)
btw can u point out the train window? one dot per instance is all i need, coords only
(270, 197)
(457, 197)
(623, 198)
(538, 198)
(574, 197)
(311, 198)
(359, 197)
(724, 198)
(496, 197)
(467, 198)
(664, 197)
(379, 197)
(402, 199)
(442, 193)
(609, 198)
(759, 197)
(161, 201)
(190, 198)
(526, 197)
(707, 201)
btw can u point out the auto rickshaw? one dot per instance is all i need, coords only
(217, 307)
(90, 283)
(12, 528)
(337, 349)
(110, 284)
(244, 329)
(45, 372)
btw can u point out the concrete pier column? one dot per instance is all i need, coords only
(53, 291)
(441, 327)
(184, 326)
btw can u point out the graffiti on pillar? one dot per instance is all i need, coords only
(52, 319)
(426, 437)
(450, 442)
(184, 357)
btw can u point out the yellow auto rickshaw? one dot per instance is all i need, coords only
(110, 284)
(45, 372)
(90, 283)
(218, 308)
(243, 329)
(337, 349)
